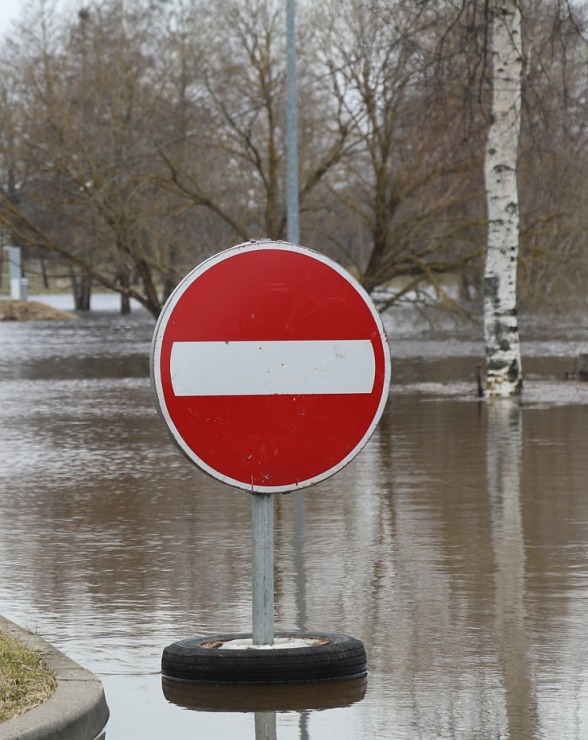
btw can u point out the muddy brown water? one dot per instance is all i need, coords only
(455, 545)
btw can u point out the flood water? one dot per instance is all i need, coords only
(455, 546)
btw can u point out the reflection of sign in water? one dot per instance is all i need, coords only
(272, 698)
(270, 366)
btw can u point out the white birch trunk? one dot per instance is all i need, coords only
(503, 357)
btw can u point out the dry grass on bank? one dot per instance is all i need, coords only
(31, 311)
(25, 679)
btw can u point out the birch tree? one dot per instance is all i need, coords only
(503, 356)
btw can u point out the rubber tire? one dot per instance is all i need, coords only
(338, 657)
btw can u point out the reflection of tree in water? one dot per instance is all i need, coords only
(418, 472)
(503, 455)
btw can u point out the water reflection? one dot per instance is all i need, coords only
(264, 702)
(271, 698)
(504, 461)
(454, 546)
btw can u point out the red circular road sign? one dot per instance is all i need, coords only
(270, 366)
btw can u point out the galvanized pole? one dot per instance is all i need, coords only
(293, 236)
(263, 503)
(262, 519)
(293, 222)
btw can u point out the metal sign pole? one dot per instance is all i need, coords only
(292, 199)
(262, 518)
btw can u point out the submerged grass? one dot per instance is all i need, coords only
(25, 679)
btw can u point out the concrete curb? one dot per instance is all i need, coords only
(77, 710)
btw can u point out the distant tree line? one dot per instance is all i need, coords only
(139, 137)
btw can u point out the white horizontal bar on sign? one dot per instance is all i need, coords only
(272, 368)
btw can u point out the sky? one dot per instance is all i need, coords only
(9, 10)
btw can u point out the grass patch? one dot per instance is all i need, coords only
(25, 679)
(31, 311)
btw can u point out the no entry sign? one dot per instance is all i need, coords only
(270, 366)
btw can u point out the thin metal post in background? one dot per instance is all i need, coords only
(17, 282)
(262, 520)
(293, 220)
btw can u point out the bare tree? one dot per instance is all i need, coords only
(234, 166)
(553, 264)
(88, 95)
(408, 193)
(138, 138)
